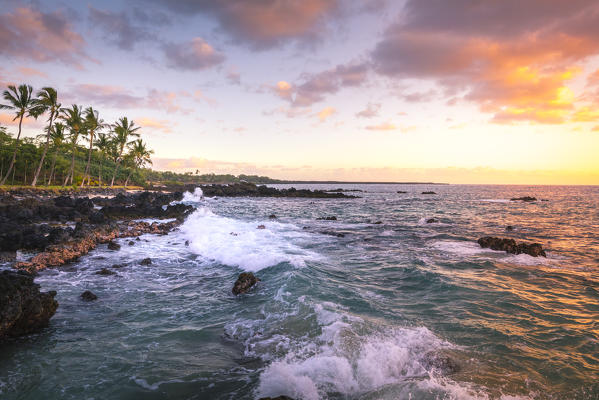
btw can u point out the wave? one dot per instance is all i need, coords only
(195, 197)
(241, 244)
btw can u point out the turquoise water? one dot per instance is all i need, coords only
(374, 314)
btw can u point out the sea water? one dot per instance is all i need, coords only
(345, 309)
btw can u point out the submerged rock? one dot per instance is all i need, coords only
(146, 261)
(331, 218)
(23, 308)
(88, 296)
(429, 193)
(131, 243)
(113, 246)
(244, 282)
(524, 198)
(105, 272)
(441, 362)
(261, 227)
(272, 216)
(332, 233)
(509, 228)
(432, 221)
(510, 246)
(401, 191)
(276, 398)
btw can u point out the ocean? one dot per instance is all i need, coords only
(346, 309)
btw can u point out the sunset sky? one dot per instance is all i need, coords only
(460, 91)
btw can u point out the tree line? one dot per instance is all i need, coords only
(115, 151)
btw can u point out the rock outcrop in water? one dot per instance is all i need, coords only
(88, 296)
(510, 246)
(244, 282)
(524, 198)
(246, 189)
(23, 308)
(429, 193)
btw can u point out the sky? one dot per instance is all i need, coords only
(460, 91)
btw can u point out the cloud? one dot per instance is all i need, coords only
(194, 55)
(315, 87)
(30, 34)
(152, 124)
(586, 114)
(514, 65)
(28, 72)
(264, 24)
(121, 98)
(385, 126)
(325, 113)
(371, 111)
(8, 119)
(118, 28)
(234, 77)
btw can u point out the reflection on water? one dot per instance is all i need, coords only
(400, 309)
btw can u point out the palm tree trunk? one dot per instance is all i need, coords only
(89, 157)
(71, 172)
(52, 167)
(14, 154)
(128, 176)
(39, 167)
(115, 171)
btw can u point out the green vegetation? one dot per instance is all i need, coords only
(27, 161)
(58, 157)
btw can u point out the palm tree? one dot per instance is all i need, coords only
(103, 145)
(72, 117)
(123, 131)
(141, 156)
(47, 100)
(93, 123)
(58, 137)
(21, 102)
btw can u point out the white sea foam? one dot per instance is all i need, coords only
(346, 359)
(239, 243)
(463, 248)
(195, 197)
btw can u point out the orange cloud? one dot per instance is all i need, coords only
(326, 113)
(155, 124)
(586, 114)
(26, 71)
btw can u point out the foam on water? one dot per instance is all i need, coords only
(195, 197)
(351, 358)
(241, 244)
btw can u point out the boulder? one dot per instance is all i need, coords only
(272, 216)
(105, 272)
(23, 308)
(88, 296)
(131, 243)
(510, 246)
(113, 246)
(244, 282)
(146, 261)
(432, 221)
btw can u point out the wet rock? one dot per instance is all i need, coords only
(105, 272)
(23, 308)
(331, 218)
(441, 362)
(137, 239)
(117, 266)
(429, 193)
(524, 198)
(509, 228)
(88, 296)
(97, 217)
(113, 246)
(333, 233)
(261, 227)
(187, 243)
(146, 261)
(401, 191)
(244, 282)
(247, 189)
(131, 243)
(272, 216)
(510, 246)
(432, 221)
(378, 222)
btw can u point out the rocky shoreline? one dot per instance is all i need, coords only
(57, 226)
